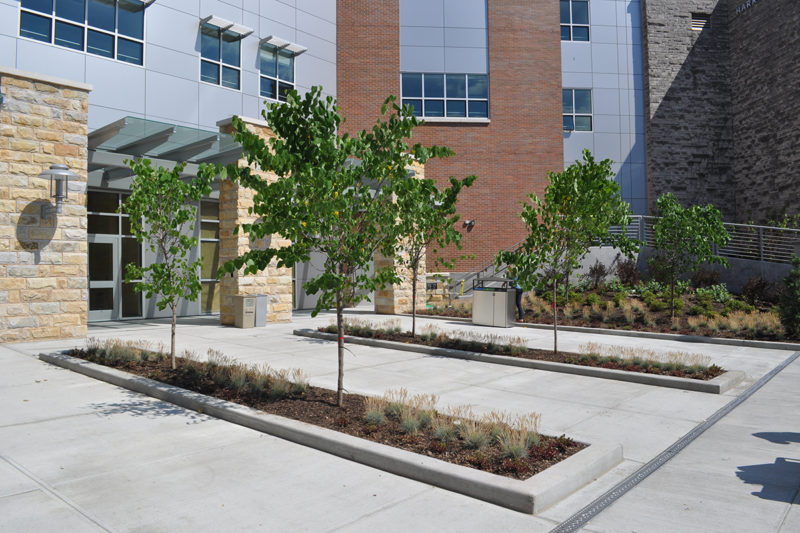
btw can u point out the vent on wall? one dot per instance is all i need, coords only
(701, 21)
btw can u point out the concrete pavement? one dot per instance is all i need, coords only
(135, 463)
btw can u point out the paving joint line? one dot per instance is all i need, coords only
(580, 518)
(45, 487)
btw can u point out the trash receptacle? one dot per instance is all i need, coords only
(261, 310)
(493, 305)
(245, 311)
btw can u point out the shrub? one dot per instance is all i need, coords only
(597, 274)
(619, 297)
(628, 271)
(789, 308)
(705, 277)
(592, 299)
(758, 291)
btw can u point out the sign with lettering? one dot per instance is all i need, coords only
(745, 6)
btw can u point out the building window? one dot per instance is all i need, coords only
(577, 109)
(107, 28)
(574, 20)
(277, 72)
(220, 51)
(209, 252)
(701, 21)
(446, 95)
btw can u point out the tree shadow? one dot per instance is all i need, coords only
(778, 437)
(779, 480)
(147, 407)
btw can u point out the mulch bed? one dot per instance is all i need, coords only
(318, 406)
(531, 353)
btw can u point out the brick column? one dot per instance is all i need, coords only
(397, 298)
(234, 201)
(43, 260)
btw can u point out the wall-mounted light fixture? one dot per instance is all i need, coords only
(59, 176)
(469, 224)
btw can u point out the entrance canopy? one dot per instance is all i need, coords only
(164, 144)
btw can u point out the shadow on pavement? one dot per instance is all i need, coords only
(779, 480)
(778, 437)
(138, 405)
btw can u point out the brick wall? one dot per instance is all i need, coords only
(689, 133)
(512, 153)
(43, 260)
(234, 203)
(765, 50)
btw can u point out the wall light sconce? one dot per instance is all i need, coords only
(59, 176)
(469, 224)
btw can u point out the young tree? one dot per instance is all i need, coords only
(162, 217)
(427, 218)
(684, 239)
(579, 206)
(335, 194)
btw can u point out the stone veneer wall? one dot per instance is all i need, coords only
(689, 132)
(43, 260)
(234, 202)
(765, 50)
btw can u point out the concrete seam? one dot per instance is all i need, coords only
(54, 493)
(577, 520)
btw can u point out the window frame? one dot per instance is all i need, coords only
(203, 219)
(572, 25)
(86, 28)
(466, 100)
(574, 114)
(220, 63)
(276, 50)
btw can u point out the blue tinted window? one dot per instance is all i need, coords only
(478, 86)
(230, 48)
(34, 27)
(129, 51)
(569, 124)
(583, 123)
(456, 108)
(283, 90)
(230, 77)
(71, 10)
(69, 35)
(209, 42)
(412, 85)
(566, 35)
(269, 64)
(434, 108)
(580, 12)
(416, 106)
(101, 14)
(583, 101)
(434, 85)
(456, 87)
(209, 72)
(564, 11)
(580, 33)
(43, 6)
(99, 43)
(131, 19)
(285, 66)
(479, 109)
(566, 97)
(268, 88)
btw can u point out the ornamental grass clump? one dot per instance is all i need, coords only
(395, 400)
(519, 436)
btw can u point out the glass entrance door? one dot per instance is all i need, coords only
(104, 279)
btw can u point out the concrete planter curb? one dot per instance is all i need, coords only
(718, 385)
(529, 496)
(745, 343)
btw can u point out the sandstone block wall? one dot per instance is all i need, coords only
(234, 202)
(689, 132)
(43, 260)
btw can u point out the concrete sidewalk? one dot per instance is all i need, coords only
(645, 419)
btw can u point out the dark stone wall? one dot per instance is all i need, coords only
(688, 86)
(765, 54)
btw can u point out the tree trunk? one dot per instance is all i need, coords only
(172, 336)
(672, 298)
(340, 335)
(414, 303)
(555, 315)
